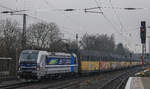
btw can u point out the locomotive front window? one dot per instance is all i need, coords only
(29, 56)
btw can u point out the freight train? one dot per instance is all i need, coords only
(37, 64)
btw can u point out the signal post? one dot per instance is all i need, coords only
(143, 40)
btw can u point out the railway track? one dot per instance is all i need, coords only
(119, 81)
(115, 77)
(109, 80)
(16, 85)
(61, 85)
(51, 84)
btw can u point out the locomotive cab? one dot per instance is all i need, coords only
(30, 64)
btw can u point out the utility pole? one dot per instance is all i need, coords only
(24, 32)
(149, 45)
(77, 42)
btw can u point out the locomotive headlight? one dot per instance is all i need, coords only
(37, 67)
(19, 68)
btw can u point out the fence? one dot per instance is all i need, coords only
(7, 68)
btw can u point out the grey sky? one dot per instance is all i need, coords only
(71, 23)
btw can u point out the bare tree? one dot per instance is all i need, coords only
(9, 36)
(120, 49)
(43, 35)
(98, 42)
(88, 41)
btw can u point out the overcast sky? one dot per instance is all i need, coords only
(78, 22)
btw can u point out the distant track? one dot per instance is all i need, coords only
(119, 81)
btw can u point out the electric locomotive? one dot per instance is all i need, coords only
(36, 64)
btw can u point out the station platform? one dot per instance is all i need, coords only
(138, 83)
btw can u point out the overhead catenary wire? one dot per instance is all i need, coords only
(122, 27)
(98, 6)
(48, 4)
(13, 11)
(118, 18)
(107, 19)
(126, 8)
(66, 16)
(37, 18)
(2, 6)
(42, 20)
(129, 8)
(107, 7)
